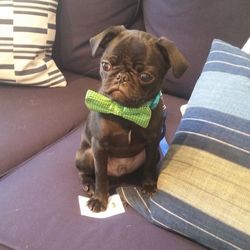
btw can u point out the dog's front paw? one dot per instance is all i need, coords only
(97, 205)
(149, 187)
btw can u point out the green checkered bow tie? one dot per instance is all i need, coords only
(141, 116)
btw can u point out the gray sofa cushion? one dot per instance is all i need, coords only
(192, 26)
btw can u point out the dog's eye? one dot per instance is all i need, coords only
(139, 67)
(146, 77)
(106, 66)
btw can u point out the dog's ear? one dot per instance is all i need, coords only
(103, 38)
(177, 61)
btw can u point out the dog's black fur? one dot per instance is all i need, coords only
(132, 68)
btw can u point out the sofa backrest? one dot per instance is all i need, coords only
(79, 20)
(192, 25)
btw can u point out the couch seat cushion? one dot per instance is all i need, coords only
(32, 118)
(39, 210)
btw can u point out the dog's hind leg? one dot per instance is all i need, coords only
(85, 164)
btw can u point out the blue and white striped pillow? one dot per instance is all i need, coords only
(204, 187)
(27, 33)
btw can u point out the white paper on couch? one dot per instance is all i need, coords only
(114, 207)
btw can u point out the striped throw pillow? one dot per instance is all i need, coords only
(27, 33)
(204, 186)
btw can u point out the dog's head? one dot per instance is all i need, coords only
(134, 63)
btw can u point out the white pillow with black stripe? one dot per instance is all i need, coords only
(27, 33)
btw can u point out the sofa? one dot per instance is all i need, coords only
(41, 120)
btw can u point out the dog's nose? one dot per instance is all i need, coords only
(122, 77)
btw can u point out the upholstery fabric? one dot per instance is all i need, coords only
(40, 210)
(27, 35)
(36, 117)
(173, 105)
(192, 25)
(75, 28)
(203, 188)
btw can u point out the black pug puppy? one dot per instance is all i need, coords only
(115, 143)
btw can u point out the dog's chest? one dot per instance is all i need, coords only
(122, 166)
(124, 143)
(126, 153)
(122, 139)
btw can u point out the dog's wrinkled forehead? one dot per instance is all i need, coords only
(161, 53)
(129, 45)
(132, 45)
